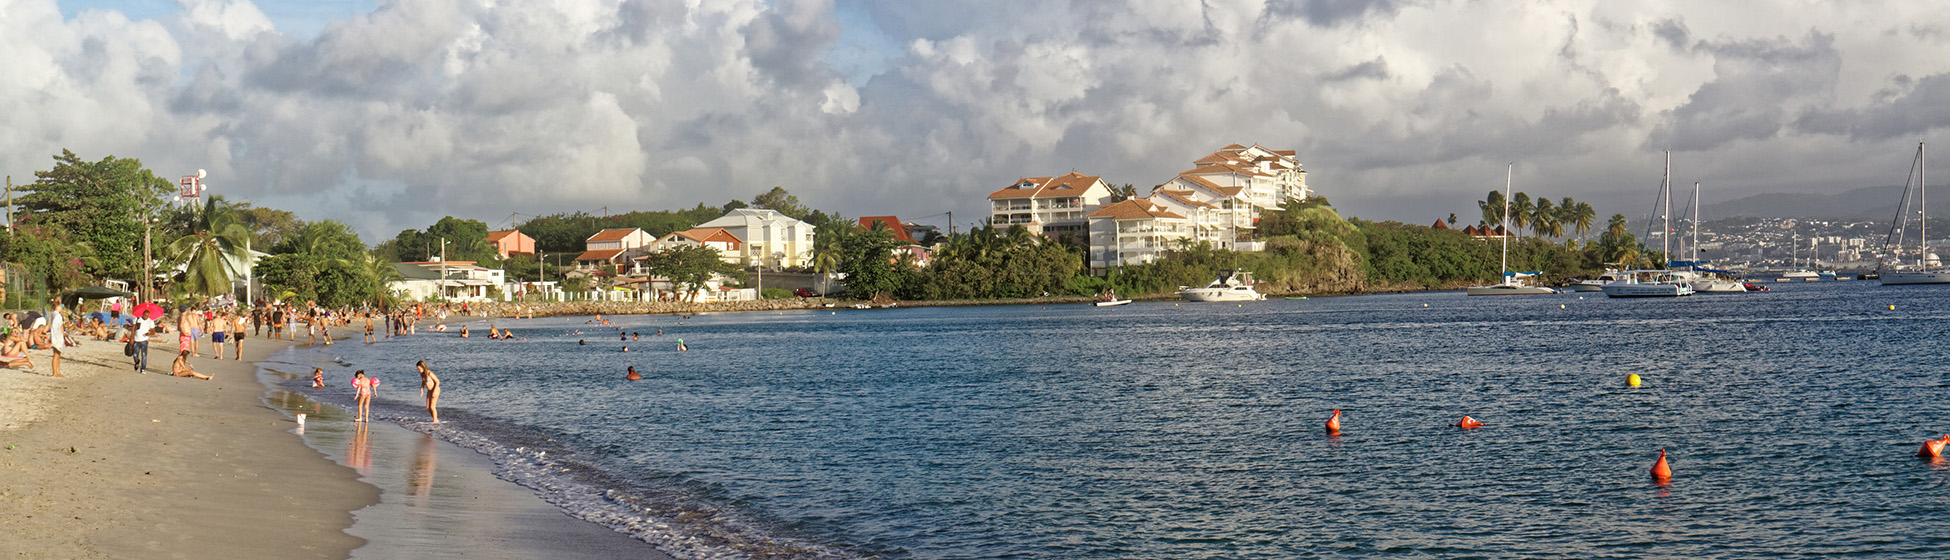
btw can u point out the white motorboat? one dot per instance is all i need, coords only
(1110, 302)
(1512, 284)
(1649, 283)
(1928, 268)
(1229, 286)
(1718, 282)
(1598, 285)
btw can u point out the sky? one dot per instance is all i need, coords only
(389, 115)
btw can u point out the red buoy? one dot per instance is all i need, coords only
(1661, 470)
(1934, 448)
(1334, 423)
(1468, 423)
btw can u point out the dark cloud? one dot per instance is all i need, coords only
(1330, 13)
(1923, 105)
(787, 41)
(1756, 87)
(1376, 69)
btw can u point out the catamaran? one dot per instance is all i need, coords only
(1927, 269)
(1702, 279)
(1512, 281)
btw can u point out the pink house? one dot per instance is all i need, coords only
(509, 242)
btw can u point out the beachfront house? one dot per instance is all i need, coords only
(449, 281)
(1240, 182)
(1135, 231)
(511, 242)
(906, 234)
(1053, 207)
(767, 238)
(728, 245)
(612, 248)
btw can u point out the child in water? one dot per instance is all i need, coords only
(681, 347)
(317, 378)
(365, 387)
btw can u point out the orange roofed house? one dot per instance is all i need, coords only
(728, 245)
(509, 242)
(904, 233)
(612, 247)
(1054, 207)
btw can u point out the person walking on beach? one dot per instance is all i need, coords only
(429, 387)
(139, 341)
(363, 388)
(57, 336)
(237, 336)
(219, 328)
(181, 367)
(186, 331)
(369, 337)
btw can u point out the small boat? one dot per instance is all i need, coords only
(862, 306)
(1610, 275)
(1928, 268)
(1229, 286)
(1512, 281)
(1296, 297)
(1649, 283)
(1110, 302)
(1752, 287)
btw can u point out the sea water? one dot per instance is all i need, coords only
(1183, 430)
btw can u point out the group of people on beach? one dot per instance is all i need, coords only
(364, 388)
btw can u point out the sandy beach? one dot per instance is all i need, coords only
(110, 463)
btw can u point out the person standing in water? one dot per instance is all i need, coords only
(633, 376)
(430, 386)
(364, 388)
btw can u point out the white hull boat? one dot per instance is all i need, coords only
(1230, 286)
(1510, 290)
(1635, 289)
(1925, 270)
(1109, 303)
(1512, 281)
(1718, 286)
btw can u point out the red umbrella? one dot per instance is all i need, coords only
(148, 310)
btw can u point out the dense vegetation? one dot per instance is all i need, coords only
(84, 220)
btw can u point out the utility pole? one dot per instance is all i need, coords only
(10, 206)
(951, 223)
(443, 268)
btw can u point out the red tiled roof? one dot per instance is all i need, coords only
(1135, 209)
(1209, 185)
(612, 234)
(599, 254)
(494, 236)
(1072, 184)
(893, 226)
(1439, 224)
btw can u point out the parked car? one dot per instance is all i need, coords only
(802, 292)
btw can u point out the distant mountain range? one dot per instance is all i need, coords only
(1868, 203)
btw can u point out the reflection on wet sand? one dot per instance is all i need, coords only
(358, 454)
(419, 480)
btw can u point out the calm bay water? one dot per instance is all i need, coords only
(1165, 430)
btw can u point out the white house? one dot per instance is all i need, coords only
(716, 238)
(1135, 231)
(1240, 182)
(767, 237)
(450, 280)
(1054, 207)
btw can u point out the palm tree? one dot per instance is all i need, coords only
(382, 272)
(1583, 217)
(1492, 208)
(827, 244)
(1544, 212)
(213, 253)
(1520, 209)
(1548, 225)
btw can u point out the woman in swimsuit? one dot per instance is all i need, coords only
(430, 385)
(364, 387)
(181, 367)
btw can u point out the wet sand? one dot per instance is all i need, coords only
(110, 463)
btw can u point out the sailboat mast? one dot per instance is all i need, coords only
(1923, 201)
(1508, 173)
(1696, 223)
(1665, 219)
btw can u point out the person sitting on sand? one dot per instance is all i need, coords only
(317, 378)
(181, 367)
(13, 351)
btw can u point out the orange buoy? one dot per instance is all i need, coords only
(1469, 423)
(1334, 423)
(1933, 448)
(1661, 470)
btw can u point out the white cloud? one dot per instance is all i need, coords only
(1406, 110)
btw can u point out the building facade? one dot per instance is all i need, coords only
(1135, 231)
(1054, 207)
(767, 238)
(511, 242)
(1240, 182)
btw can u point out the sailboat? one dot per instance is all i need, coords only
(1707, 280)
(1655, 283)
(1927, 269)
(1512, 284)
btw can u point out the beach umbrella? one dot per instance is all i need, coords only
(72, 298)
(148, 310)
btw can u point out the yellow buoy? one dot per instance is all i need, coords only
(1560, 306)
(1892, 308)
(1632, 380)
(1425, 305)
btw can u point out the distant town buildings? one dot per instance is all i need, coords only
(1054, 207)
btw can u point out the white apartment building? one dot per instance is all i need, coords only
(1240, 182)
(1054, 207)
(1136, 231)
(767, 237)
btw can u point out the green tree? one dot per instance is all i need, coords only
(102, 204)
(330, 239)
(268, 226)
(1120, 193)
(55, 261)
(1582, 218)
(212, 254)
(688, 266)
(867, 260)
(781, 201)
(1493, 208)
(1520, 211)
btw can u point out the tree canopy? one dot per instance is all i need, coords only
(99, 203)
